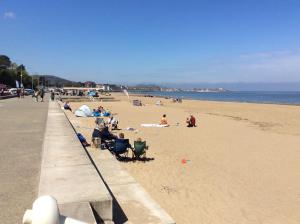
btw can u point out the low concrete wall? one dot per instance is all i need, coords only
(68, 174)
(135, 202)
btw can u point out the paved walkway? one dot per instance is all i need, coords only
(22, 126)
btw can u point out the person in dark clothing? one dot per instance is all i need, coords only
(122, 138)
(52, 95)
(67, 106)
(42, 93)
(120, 146)
(103, 133)
(82, 139)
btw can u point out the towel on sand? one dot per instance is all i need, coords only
(155, 125)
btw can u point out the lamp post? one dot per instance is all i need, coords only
(21, 78)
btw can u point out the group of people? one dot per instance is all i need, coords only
(100, 111)
(191, 121)
(103, 137)
(101, 131)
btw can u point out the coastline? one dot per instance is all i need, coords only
(232, 158)
(216, 100)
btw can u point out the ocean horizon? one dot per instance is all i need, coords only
(263, 97)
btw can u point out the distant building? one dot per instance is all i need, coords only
(89, 84)
(99, 86)
(109, 87)
(104, 87)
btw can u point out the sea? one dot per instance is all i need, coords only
(269, 97)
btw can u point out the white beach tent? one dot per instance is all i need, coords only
(83, 111)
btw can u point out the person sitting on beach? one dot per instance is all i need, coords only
(163, 120)
(139, 148)
(36, 95)
(67, 106)
(191, 121)
(113, 122)
(96, 113)
(122, 138)
(101, 131)
(100, 109)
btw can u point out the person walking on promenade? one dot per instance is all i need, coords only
(36, 95)
(42, 93)
(19, 93)
(52, 95)
(22, 93)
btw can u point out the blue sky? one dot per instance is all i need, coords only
(169, 41)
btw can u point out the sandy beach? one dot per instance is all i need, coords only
(241, 164)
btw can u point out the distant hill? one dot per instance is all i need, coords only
(51, 80)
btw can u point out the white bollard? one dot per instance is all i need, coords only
(45, 211)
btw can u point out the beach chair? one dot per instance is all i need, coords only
(120, 148)
(139, 149)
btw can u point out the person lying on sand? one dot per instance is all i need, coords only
(191, 121)
(67, 106)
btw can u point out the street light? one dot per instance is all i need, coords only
(21, 77)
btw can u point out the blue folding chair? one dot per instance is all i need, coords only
(120, 148)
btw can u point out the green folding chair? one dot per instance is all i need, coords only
(139, 150)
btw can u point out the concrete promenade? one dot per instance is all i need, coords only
(68, 174)
(22, 126)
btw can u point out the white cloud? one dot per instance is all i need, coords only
(9, 15)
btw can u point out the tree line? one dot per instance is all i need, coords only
(11, 71)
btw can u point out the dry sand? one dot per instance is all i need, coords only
(243, 160)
